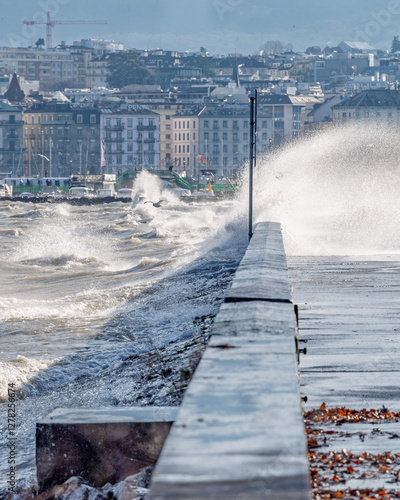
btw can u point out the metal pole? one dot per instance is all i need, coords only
(251, 164)
(255, 126)
(50, 166)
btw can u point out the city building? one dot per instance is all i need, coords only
(46, 66)
(287, 114)
(61, 139)
(377, 105)
(10, 139)
(131, 137)
(215, 138)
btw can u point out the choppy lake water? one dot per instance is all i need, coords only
(84, 290)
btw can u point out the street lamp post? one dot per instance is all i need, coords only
(252, 158)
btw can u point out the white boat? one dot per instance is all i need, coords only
(125, 193)
(79, 191)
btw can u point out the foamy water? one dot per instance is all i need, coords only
(335, 193)
(85, 288)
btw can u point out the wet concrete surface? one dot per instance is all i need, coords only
(349, 320)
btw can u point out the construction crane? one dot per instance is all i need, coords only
(49, 25)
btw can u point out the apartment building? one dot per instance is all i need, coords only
(10, 138)
(61, 138)
(185, 141)
(131, 136)
(46, 66)
(224, 140)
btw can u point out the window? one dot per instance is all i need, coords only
(188, 149)
(168, 146)
(205, 123)
(225, 148)
(168, 117)
(235, 137)
(151, 123)
(79, 131)
(183, 149)
(119, 160)
(215, 124)
(235, 125)
(245, 136)
(245, 148)
(179, 136)
(130, 134)
(183, 124)
(130, 159)
(194, 136)
(206, 136)
(180, 149)
(140, 135)
(194, 124)
(168, 136)
(225, 136)
(225, 124)
(130, 146)
(168, 127)
(151, 159)
(108, 122)
(264, 136)
(130, 122)
(264, 124)
(151, 147)
(215, 136)
(215, 149)
(245, 124)
(92, 119)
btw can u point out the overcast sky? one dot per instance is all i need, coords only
(221, 26)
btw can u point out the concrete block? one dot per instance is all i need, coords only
(100, 445)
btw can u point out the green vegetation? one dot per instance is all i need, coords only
(125, 68)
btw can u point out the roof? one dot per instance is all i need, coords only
(357, 45)
(372, 98)
(14, 92)
(7, 108)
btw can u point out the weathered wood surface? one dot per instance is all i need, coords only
(239, 431)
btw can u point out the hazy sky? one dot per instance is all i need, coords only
(219, 25)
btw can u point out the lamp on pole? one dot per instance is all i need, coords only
(253, 135)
